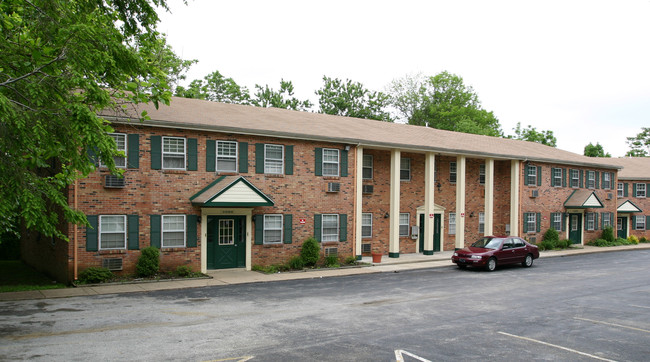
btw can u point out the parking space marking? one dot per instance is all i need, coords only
(238, 359)
(639, 306)
(612, 324)
(400, 358)
(556, 346)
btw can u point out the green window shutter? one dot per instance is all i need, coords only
(344, 163)
(552, 219)
(539, 175)
(133, 145)
(288, 228)
(602, 219)
(156, 152)
(595, 221)
(288, 160)
(538, 219)
(259, 229)
(647, 222)
(243, 157)
(155, 231)
(525, 222)
(597, 179)
(343, 227)
(633, 190)
(133, 224)
(319, 161)
(564, 222)
(318, 219)
(190, 229)
(564, 183)
(582, 178)
(210, 155)
(91, 233)
(526, 175)
(259, 158)
(553, 176)
(625, 193)
(192, 157)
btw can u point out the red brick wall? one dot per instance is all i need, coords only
(642, 203)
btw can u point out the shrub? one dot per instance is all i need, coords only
(296, 263)
(599, 242)
(332, 261)
(95, 275)
(310, 251)
(633, 239)
(608, 234)
(184, 271)
(545, 245)
(351, 260)
(644, 240)
(148, 262)
(563, 244)
(551, 235)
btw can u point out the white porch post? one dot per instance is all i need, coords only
(489, 197)
(393, 248)
(514, 197)
(429, 202)
(460, 202)
(358, 203)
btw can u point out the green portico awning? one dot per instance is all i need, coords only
(231, 191)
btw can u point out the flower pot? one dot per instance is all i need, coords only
(376, 257)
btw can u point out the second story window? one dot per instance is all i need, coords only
(591, 179)
(120, 144)
(226, 156)
(173, 153)
(575, 178)
(531, 175)
(620, 190)
(606, 180)
(330, 162)
(640, 190)
(452, 172)
(557, 177)
(481, 174)
(367, 167)
(274, 159)
(405, 169)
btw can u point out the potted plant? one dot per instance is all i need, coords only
(376, 257)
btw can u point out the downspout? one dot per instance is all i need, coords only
(75, 234)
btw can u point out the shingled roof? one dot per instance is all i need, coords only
(233, 118)
(634, 168)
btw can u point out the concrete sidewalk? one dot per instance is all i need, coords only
(241, 276)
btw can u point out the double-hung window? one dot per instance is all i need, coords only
(330, 162)
(591, 221)
(620, 190)
(575, 178)
(481, 222)
(640, 190)
(531, 175)
(226, 156)
(607, 219)
(367, 167)
(481, 174)
(272, 229)
(606, 180)
(557, 177)
(404, 224)
(556, 223)
(405, 169)
(531, 221)
(640, 222)
(274, 159)
(330, 230)
(112, 232)
(173, 153)
(452, 223)
(591, 179)
(366, 225)
(173, 231)
(452, 172)
(120, 145)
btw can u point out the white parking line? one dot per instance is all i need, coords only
(556, 346)
(400, 358)
(639, 306)
(612, 324)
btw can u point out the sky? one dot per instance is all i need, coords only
(578, 68)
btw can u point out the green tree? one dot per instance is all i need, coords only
(443, 102)
(283, 98)
(595, 150)
(351, 99)
(217, 88)
(62, 63)
(531, 134)
(639, 144)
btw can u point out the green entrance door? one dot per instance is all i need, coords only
(226, 242)
(436, 232)
(575, 228)
(621, 227)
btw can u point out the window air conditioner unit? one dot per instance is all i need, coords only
(610, 196)
(534, 193)
(331, 252)
(367, 189)
(365, 248)
(112, 263)
(333, 187)
(113, 182)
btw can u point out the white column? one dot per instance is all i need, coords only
(514, 197)
(393, 248)
(429, 202)
(489, 197)
(460, 201)
(358, 202)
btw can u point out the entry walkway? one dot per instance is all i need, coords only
(242, 276)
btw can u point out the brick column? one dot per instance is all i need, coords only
(393, 249)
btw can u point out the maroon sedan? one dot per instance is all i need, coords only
(489, 251)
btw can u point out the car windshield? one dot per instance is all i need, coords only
(488, 243)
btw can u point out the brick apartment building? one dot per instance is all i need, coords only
(632, 191)
(222, 186)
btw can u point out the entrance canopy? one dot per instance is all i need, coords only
(583, 199)
(231, 191)
(628, 206)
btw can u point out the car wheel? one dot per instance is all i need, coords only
(491, 264)
(462, 266)
(528, 262)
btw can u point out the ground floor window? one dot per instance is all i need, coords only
(556, 221)
(330, 227)
(272, 229)
(640, 222)
(481, 222)
(404, 224)
(366, 225)
(112, 232)
(173, 231)
(591, 221)
(531, 221)
(452, 223)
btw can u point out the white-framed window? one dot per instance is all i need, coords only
(620, 191)
(575, 178)
(619, 223)
(405, 169)
(481, 222)
(274, 159)
(173, 231)
(112, 232)
(591, 221)
(226, 156)
(607, 219)
(330, 162)
(452, 172)
(273, 229)
(120, 145)
(367, 170)
(640, 190)
(606, 181)
(330, 227)
(557, 177)
(531, 175)
(452, 223)
(404, 224)
(591, 179)
(173, 153)
(556, 223)
(640, 222)
(481, 174)
(531, 221)
(366, 225)
(226, 232)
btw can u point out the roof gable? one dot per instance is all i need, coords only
(583, 199)
(628, 206)
(231, 191)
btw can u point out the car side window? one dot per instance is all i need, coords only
(507, 244)
(519, 243)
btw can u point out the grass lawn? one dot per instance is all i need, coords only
(16, 276)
